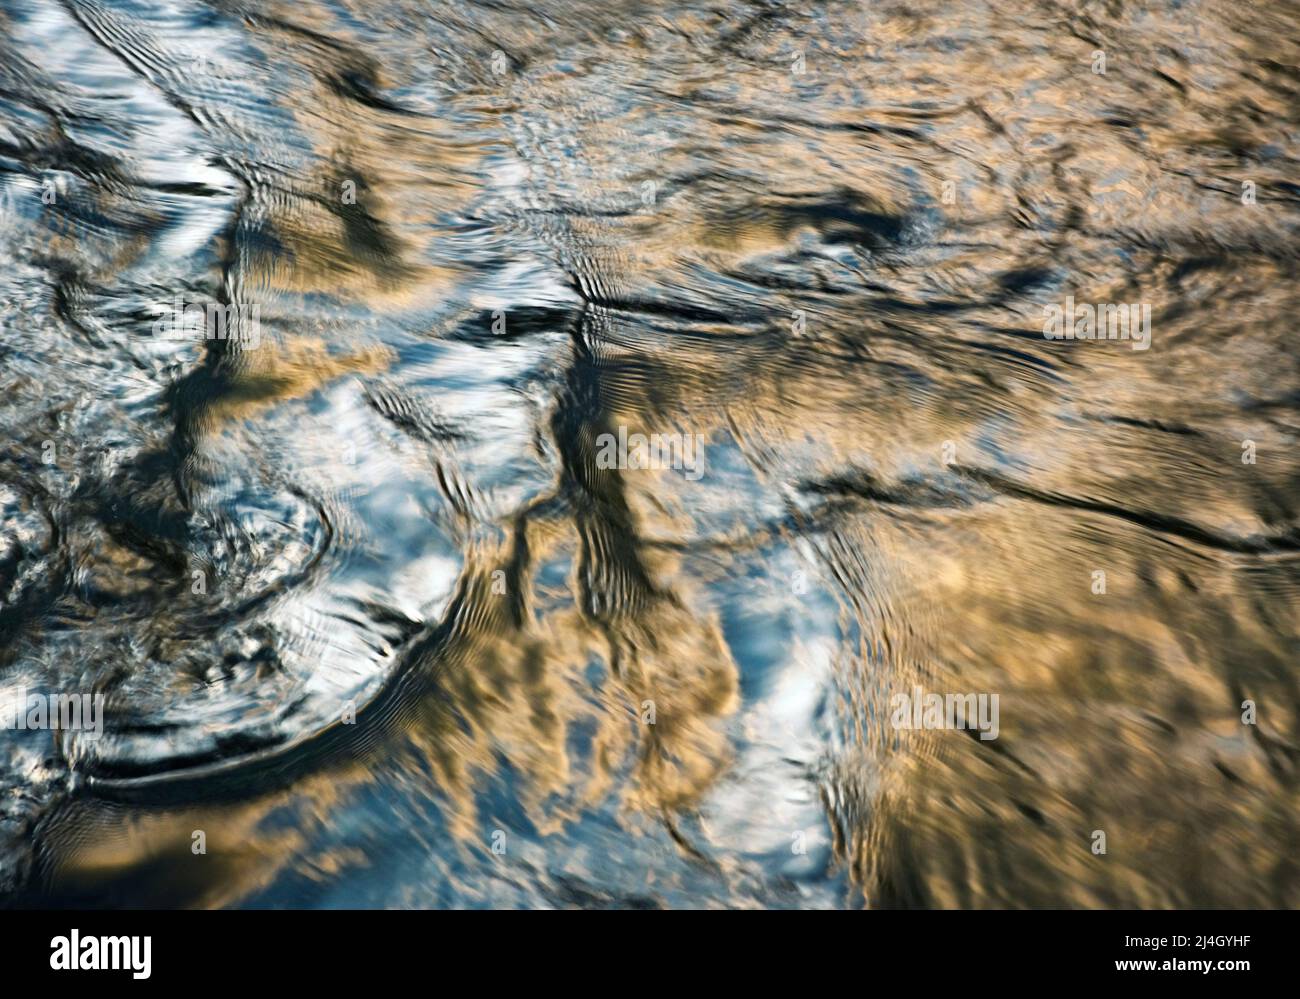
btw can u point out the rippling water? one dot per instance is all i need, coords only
(380, 606)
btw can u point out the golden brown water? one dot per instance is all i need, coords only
(370, 611)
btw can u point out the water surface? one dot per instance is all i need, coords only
(367, 609)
